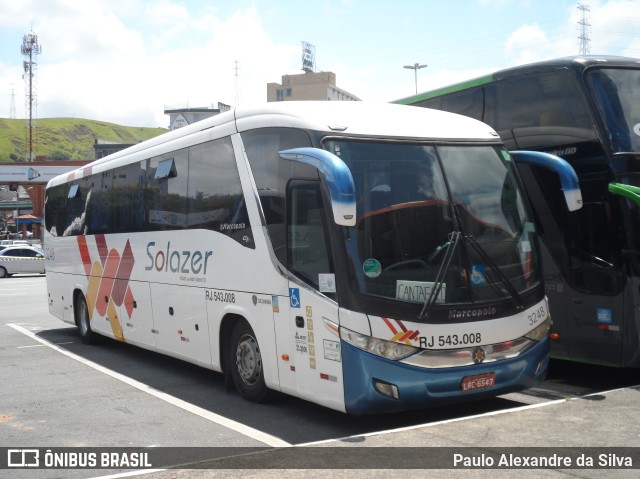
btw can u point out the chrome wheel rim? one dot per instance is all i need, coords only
(248, 360)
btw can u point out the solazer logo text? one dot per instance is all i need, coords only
(175, 261)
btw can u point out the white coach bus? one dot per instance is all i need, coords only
(368, 258)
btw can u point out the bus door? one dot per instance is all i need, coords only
(594, 276)
(313, 335)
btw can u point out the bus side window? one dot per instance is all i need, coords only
(271, 175)
(127, 198)
(592, 237)
(468, 103)
(433, 103)
(75, 208)
(307, 244)
(55, 209)
(98, 208)
(166, 195)
(540, 111)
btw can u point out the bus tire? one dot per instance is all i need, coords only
(245, 363)
(83, 321)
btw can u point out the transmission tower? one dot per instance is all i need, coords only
(12, 108)
(30, 51)
(585, 41)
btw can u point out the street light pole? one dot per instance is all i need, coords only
(17, 209)
(415, 67)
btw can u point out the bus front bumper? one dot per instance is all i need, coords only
(376, 385)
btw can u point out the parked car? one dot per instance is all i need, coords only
(17, 259)
(5, 243)
(21, 236)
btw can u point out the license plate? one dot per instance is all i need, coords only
(481, 381)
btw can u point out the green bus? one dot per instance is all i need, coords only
(586, 110)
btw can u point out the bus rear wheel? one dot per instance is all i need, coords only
(245, 364)
(83, 321)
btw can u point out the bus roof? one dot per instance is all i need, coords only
(364, 118)
(349, 117)
(579, 62)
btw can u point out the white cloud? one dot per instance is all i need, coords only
(614, 27)
(99, 66)
(527, 44)
(124, 60)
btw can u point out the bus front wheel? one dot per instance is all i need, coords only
(245, 363)
(83, 321)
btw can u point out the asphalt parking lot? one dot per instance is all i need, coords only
(58, 393)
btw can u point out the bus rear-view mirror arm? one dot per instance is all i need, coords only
(337, 176)
(568, 176)
(628, 191)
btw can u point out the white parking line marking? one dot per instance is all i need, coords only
(40, 345)
(437, 423)
(208, 415)
(459, 419)
(130, 474)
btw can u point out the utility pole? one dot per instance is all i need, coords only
(415, 67)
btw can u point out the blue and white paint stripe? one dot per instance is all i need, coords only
(568, 176)
(337, 176)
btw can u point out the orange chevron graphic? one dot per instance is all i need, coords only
(403, 335)
(108, 277)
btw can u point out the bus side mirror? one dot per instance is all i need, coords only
(568, 176)
(628, 191)
(337, 176)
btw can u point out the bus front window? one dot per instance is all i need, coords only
(617, 96)
(416, 217)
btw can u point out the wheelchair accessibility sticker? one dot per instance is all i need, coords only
(294, 294)
(477, 275)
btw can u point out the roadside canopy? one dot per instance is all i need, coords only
(28, 220)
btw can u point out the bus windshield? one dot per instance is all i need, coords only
(448, 220)
(617, 95)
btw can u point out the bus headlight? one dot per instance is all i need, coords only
(540, 332)
(380, 347)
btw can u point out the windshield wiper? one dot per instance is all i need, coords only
(454, 237)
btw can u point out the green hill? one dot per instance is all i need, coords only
(66, 138)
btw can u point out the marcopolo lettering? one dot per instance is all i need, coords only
(175, 261)
(471, 313)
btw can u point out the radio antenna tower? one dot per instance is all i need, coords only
(12, 108)
(30, 51)
(585, 41)
(308, 57)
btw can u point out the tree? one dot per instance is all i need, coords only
(59, 156)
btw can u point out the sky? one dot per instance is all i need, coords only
(125, 61)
